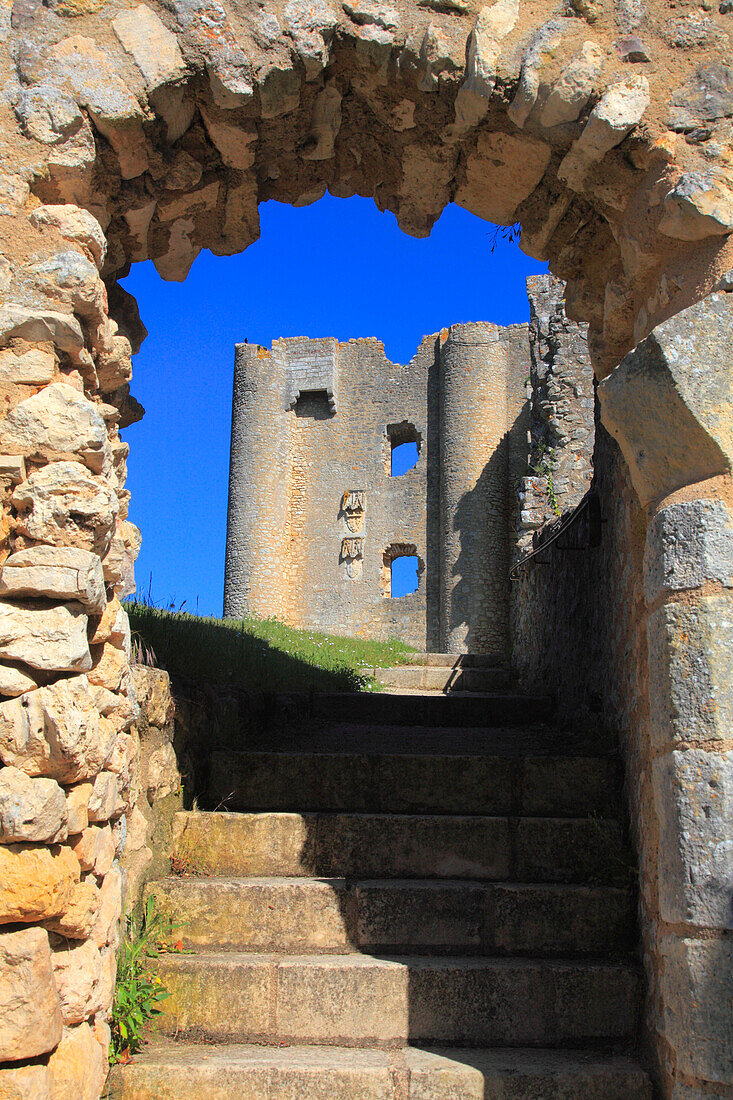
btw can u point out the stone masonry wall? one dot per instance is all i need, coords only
(561, 414)
(623, 634)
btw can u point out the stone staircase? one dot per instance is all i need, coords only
(446, 672)
(407, 905)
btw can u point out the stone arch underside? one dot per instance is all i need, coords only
(152, 131)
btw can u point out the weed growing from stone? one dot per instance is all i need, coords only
(139, 992)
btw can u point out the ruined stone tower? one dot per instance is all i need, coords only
(315, 518)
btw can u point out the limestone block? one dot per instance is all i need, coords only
(35, 367)
(572, 90)
(31, 1082)
(502, 173)
(94, 848)
(47, 114)
(77, 1066)
(325, 124)
(55, 423)
(108, 977)
(80, 915)
(59, 572)
(540, 49)
(31, 809)
(137, 831)
(106, 929)
(682, 372)
(40, 326)
(174, 264)
(163, 775)
(154, 48)
(15, 680)
(691, 671)
(311, 26)
(36, 883)
(621, 107)
(77, 970)
(56, 731)
(12, 467)
(693, 795)
(153, 688)
(687, 545)
(72, 278)
(74, 224)
(493, 23)
(63, 504)
(706, 97)
(184, 172)
(30, 1013)
(53, 639)
(696, 980)
(236, 143)
(110, 667)
(79, 66)
(104, 797)
(699, 205)
(77, 806)
(118, 563)
(279, 89)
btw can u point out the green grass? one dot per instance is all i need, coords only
(258, 654)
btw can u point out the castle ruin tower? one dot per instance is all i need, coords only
(257, 562)
(474, 498)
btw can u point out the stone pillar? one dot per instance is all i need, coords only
(688, 588)
(669, 404)
(473, 491)
(257, 552)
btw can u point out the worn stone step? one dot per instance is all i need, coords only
(443, 678)
(500, 849)
(415, 783)
(360, 1000)
(168, 1071)
(460, 660)
(333, 915)
(473, 709)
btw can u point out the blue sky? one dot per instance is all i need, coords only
(337, 268)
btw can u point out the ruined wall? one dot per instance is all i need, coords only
(561, 413)
(315, 519)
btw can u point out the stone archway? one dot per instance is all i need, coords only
(155, 131)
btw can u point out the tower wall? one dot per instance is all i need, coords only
(257, 552)
(481, 399)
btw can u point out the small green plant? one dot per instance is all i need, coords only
(543, 465)
(138, 992)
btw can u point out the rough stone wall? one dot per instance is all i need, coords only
(315, 517)
(561, 414)
(633, 636)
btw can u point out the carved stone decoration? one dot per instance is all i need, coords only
(353, 507)
(352, 552)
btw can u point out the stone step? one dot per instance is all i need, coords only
(442, 678)
(432, 709)
(501, 849)
(293, 916)
(415, 783)
(359, 1000)
(460, 660)
(170, 1071)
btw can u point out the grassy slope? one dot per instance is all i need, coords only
(259, 654)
